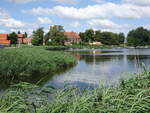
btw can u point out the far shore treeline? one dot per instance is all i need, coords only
(55, 36)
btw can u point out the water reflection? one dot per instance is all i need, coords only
(93, 67)
(105, 65)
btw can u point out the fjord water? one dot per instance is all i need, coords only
(101, 66)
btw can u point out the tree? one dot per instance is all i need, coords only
(83, 37)
(56, 35)
(98, 36)
(47, 38)
(138, 37)
(13, 38)
(107, 38)
(25, 34)
(121, 38)
(19, 32)
(89, 34)
(38, 36)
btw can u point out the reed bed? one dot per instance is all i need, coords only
(130, 96)
(34, 61)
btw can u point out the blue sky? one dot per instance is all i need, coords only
(74, 15)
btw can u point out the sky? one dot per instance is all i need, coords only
(75, 15)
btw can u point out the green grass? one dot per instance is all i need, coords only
(34, 61)
(81, 47)
(130, 96)
(95, 47)
(56, 47)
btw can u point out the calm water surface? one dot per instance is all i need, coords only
(95, 66)
(98, 66)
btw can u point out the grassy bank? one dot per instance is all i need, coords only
(25, 62)
(82, 47)
(95, 47)
(130, 96)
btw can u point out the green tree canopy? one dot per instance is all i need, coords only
(121, 38)
(138, 37)
(26, 34)
(89, 34)
(38, 36)
(83, 37)
(110, 38)
(107, 38)
(19, 32)
(98, 36)
(13, 38)
(56, 35)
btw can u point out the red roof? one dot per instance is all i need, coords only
(4, 36)
(4, 39)
(20, 35)
(72, 35)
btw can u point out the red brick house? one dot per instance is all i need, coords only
(73, 37)
(20, 38)
(4, 39)
(27, 41)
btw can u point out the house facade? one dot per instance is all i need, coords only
(20, 38)
(73, 37)
(4, 39)
(27, 41)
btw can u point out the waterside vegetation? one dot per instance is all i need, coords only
(32, 61)
(130, 96)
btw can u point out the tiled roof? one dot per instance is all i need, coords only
(72, 35)
(3, 36)
(3, 39)
(20, 35)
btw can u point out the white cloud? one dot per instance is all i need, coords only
(7, 22)
(107, 24)
(107, 10)
(139, 2)
(75, 24)
(44, 20)
(28, 30)
(67, 1)
(38, 11)
(2, 31)
(100, 1)
(59, 1)
(22, 1)
(3, 14)
(147, 26)
(11, 23)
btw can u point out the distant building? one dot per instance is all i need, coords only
(4, 39)
(20, 38)
(73, 37)
(96, 44)
(27, 41)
